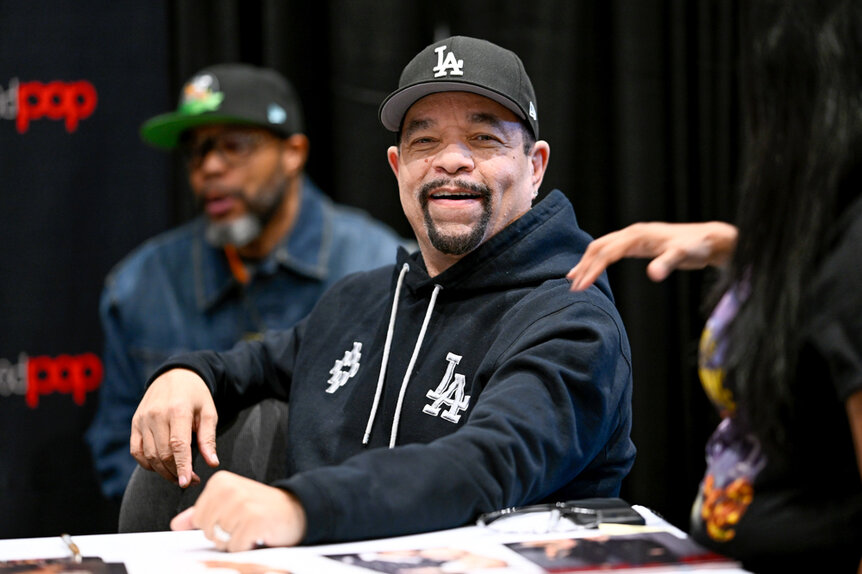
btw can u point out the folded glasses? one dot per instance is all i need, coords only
(541, 518)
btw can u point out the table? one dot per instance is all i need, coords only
(190, 552)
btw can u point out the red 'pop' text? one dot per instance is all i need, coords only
(67, 101)
(36, 376)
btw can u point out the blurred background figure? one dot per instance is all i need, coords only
(781, 354)
(266, 246)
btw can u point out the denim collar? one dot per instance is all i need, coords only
(304, 251)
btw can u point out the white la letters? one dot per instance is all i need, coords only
(450, 63)
(449, 392)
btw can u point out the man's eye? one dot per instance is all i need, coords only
(422, 142)
(237, 142)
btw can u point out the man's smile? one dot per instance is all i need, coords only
(452, 192)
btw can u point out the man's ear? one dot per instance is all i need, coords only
(394, 159)
(539, 156)
(294, 153)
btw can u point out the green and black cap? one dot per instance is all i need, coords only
(229, 94)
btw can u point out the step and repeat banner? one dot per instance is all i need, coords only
(78, 190)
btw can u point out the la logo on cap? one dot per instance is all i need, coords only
(450, 63)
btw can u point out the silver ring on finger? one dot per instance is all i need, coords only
(221, 534)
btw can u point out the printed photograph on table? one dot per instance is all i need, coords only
(442, 560)
(603, 552)
(62, 566)
(229, 567)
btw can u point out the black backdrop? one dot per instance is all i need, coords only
(636, 97)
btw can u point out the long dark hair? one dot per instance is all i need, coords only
(802, 98)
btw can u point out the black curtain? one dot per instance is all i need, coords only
(637, 98)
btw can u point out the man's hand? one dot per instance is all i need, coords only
(176, 404)
(671, 245)
(238, 514)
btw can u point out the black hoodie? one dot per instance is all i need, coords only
(501, 387)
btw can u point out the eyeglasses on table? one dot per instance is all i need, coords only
(541, 518)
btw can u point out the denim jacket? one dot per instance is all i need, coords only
(176, 293)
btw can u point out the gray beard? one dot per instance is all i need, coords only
(248, 227)
(239, 232)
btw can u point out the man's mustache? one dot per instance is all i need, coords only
(430, 186)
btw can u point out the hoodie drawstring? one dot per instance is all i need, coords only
(394, 434)
(386, 350)
(389, 332)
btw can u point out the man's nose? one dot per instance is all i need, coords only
(454, 157)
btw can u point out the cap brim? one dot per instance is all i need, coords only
(164, 131)
(394, 107)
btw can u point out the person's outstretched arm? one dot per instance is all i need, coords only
(670, 245)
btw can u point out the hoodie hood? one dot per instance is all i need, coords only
(546, 235)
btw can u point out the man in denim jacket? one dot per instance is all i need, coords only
(268, 244)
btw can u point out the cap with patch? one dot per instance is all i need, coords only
(463, 64)
(229, 94)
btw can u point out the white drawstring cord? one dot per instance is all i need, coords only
(395, 420)
(404, 269)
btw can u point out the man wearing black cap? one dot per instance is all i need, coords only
(466, 378)
(268, 244)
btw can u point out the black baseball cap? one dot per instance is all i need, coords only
(229, 94)
(463, 64)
